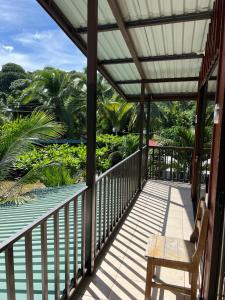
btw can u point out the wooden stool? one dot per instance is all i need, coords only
(178, 254)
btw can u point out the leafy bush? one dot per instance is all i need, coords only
(115, 158)
(54, 175)
(73, 158)
(111, 141)
(129, 144)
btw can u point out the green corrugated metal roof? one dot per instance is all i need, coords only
(13, 219)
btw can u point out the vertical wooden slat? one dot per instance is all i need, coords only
(108, 206)
(104, 209)
(100, 216)
(114, 198)
(56, 255)
(29, 265)
(44, 261)
(121, 190)
(83, 233)
(10, 276)
(67, 244)
(118, 197)
(111, 201)
(75, 242)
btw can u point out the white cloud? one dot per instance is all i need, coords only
(44, 48)
(8, 48)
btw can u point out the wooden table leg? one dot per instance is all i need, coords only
(149, 276)
(194, 279)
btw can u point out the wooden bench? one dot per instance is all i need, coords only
(178, 254)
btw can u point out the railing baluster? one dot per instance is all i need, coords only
(111, 202)
(10, 276)
(83, 199)
(115, 196)
(118, 197)
(104, 209)
(75, 242)
(108, 207)
(100, 216)
(29, 265)
(67, 253)
(56, 255)
(44, 260)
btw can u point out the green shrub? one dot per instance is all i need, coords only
(115, 158)
(54, 175)
(111, 141)
(129, 144)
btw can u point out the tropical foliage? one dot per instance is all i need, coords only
(51, 103)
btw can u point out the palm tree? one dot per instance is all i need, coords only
(56, 92)
(118, 114)
(17, 137)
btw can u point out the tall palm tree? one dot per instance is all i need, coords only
(56, 91)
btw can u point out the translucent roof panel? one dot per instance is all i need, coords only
(173, 68)
(123, 72)
(142, 9)
(165, 39)
(171, 38)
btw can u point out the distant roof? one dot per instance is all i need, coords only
(168, 39)
(152, 143)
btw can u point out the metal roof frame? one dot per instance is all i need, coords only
(152, 22)
(76, 35)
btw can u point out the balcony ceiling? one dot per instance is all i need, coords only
(167, 37)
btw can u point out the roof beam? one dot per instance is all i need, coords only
(196, 16)
(126, 35)
(169, 97)
(52, 9)
(161, 80)
(152, 58)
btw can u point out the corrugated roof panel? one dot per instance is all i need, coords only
(167, 39)
(173, 68)
(212, 85)
(123, 71)
(142, 9)
(131, 89)
(174, 87)
(110, 45)
(76, 12)
(170, 39)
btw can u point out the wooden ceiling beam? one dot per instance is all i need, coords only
(196, 16)
(57, 15)
(127, 37)
(161, 80)
(169, 97)
(153, 58)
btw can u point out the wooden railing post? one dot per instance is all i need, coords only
(91, 132)
(147, 137)
(141, 122)
(196, 161)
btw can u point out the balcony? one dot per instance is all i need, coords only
(48, 259)
(163, 208)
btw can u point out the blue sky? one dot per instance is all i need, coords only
(29, 37)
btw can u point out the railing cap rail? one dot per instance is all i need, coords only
(118, 165)
(172, 147)
(14, 238)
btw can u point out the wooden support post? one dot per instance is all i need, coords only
(197, 155)
(141, 124)
(216, 197)
(91, 133)
(147, 136)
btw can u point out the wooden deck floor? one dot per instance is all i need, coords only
(162, 208)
